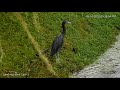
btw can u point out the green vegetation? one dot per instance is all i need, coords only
(88, 36)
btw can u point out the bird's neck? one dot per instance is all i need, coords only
(64, 29)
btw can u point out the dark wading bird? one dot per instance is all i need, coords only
(58, 42)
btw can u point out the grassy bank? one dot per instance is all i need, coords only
(86, 39)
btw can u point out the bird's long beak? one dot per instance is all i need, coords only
(69, 22)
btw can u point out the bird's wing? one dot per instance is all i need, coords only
(57, 44)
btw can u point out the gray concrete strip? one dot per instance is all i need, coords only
(107, 66)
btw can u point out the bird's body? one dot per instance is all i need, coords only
(58, 42)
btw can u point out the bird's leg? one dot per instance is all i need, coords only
(58, 58)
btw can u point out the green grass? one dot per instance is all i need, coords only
(90, 37)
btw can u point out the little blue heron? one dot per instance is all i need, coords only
(58, 42)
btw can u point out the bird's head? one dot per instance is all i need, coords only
(65, 22)
(63, 26)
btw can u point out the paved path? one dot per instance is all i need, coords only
(107, 66)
